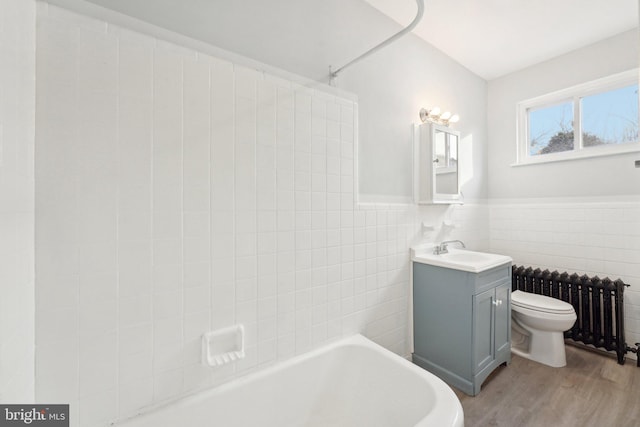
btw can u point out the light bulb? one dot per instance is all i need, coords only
(454, 119)
(445, 116)
(434, 112)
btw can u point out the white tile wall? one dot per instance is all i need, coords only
(179, 193)
(17, 115)
(594, 237)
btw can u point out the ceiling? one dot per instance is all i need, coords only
(489, 37)
(513, 33)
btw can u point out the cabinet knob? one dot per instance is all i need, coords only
(497, 302)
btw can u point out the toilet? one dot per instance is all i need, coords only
(538, 323)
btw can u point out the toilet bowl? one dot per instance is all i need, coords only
(538, 323)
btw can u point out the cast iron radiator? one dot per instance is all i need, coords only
(599, 306)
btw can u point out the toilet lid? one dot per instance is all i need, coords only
(540, 303)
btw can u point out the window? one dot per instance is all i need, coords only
(592, 119)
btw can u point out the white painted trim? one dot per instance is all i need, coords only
(570, 94)
(602, 151)
(583, 89)
(383, 199)
(616, 200)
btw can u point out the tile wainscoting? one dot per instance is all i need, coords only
(596, 236)
(178, 193)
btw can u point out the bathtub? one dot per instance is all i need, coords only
(352, 382)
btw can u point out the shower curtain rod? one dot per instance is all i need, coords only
(334, 74)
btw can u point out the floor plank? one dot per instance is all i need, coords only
(592, 390)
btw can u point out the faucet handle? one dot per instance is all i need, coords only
(440, 249)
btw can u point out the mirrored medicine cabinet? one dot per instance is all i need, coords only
(436, 165)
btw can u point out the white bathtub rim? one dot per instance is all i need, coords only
(250, 376)
(447, 402)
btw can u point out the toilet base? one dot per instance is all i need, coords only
(542, 346)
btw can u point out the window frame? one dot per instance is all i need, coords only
(572, 94)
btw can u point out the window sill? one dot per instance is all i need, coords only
(569, 156)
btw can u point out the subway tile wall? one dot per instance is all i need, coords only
(594, 237)
(179, 193)
(17, 115)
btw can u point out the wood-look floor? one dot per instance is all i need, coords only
(592, 390)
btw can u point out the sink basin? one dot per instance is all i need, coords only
(459, 259)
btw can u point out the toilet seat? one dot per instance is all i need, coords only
(540, 303)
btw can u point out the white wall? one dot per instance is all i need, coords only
(392, 86)
(176, 193)
(578, 216)
(602, 176)
(591, 236)
(306, 37)
(151, 229)
(17, 112)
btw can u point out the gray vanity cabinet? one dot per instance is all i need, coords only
(462, 323)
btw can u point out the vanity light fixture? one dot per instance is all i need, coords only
(436, 116)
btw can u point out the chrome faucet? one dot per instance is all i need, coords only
(442, 247)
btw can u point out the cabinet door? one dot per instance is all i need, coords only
(436, 163)
(483, 326)
(503, 318)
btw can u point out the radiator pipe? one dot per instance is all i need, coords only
(635, 350)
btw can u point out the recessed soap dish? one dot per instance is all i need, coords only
(223, 346)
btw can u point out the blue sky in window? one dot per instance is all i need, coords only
(546, 122)
(611, 116)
